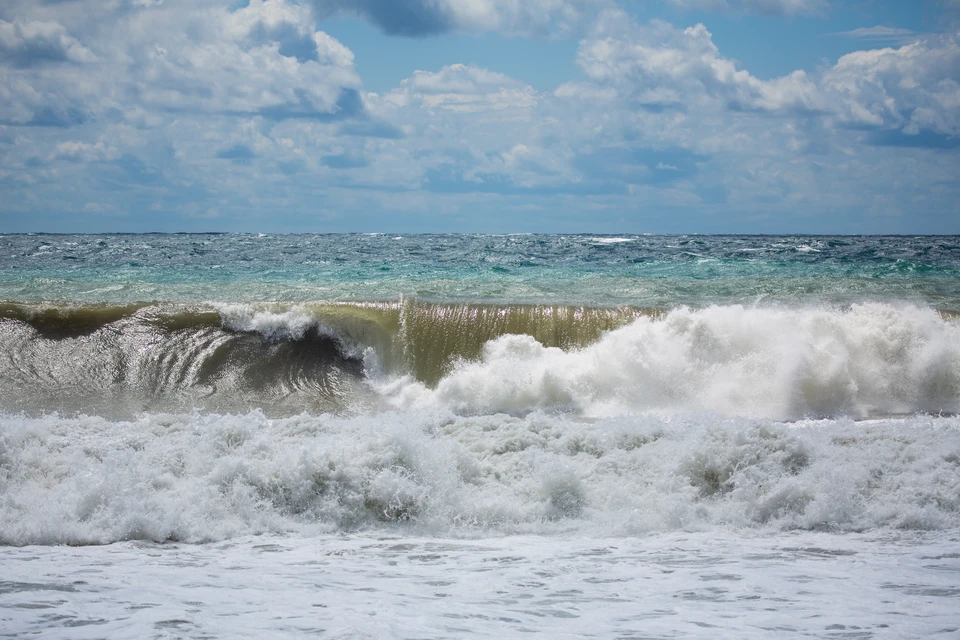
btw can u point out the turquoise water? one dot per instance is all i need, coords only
(644, 271)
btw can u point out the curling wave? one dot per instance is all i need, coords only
(780, 363)
(238, 357)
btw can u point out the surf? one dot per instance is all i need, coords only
(764, 361)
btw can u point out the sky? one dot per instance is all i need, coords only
(494, 116)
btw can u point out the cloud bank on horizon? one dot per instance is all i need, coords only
(665, 116)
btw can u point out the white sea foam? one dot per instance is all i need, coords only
(197, 477)
(611, 240)
(366, 586)
(671, 479)
(292, 323)
(669, 423)
(872, 359)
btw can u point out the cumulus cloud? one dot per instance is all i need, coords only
(79, 151)
(913, 88)
(265, 58)
(659, 65)
(52, 98)
(655, 96)
(763, 7)
(471, 129)
(429, 17)
(193, 108)
(166, 105)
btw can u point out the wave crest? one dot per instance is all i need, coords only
(872, 359)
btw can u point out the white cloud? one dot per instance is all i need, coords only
(193, 108)
(50, 97)
(270, 17)
(879, 32)
(265, 58)
(659, 64)
(471, 128)
(463, 88)
(914, 88)
(262, 58)
(662, 106)
(85, 151)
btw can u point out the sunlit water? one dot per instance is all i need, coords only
(226, 436)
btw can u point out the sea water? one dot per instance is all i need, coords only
(365, 436)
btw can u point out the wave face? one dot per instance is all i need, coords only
(779, 363)
(114, 360)
(119, 361)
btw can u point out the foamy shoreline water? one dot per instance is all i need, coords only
(702, 585)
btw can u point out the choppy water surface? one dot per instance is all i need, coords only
(645, 271)
(442, 436)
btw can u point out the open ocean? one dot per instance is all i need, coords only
(436, 436)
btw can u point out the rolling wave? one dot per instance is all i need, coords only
(786, 364)
(782, 363)
(237, 357)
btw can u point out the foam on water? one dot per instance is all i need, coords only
(611, 240)
(290, 324)
(363, 586)
(683, 409)
(771, 362)
(871, 359)
(194, 477)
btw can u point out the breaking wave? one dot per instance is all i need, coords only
(868, 360)
(201, 477)
(207, 422)
(475, 359)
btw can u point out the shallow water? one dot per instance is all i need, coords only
(801, 584)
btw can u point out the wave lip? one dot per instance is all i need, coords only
(57, 322)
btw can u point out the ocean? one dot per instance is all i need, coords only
(438, 436)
